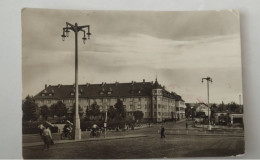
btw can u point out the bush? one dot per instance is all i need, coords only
(111, 125)
(32, 127)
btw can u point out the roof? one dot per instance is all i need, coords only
(118, 90)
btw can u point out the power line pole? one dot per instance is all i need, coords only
(208, 79)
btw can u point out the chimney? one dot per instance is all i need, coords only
(45, 86)
(143, 80)
(132, 82)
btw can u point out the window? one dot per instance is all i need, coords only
(109, 92)
(50, 94)
(139, 99)
(43, 95)
(159, 113)
(72, 94)
(101, 93)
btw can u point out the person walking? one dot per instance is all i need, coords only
(162, 132)
(47, 138)
(41, 127)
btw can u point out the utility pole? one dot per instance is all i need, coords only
(75, 28)
(208, 79)
(105, 125)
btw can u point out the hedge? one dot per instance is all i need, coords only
(32, 127)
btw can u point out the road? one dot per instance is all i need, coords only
(152, 146)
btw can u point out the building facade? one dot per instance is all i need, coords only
(156, 103)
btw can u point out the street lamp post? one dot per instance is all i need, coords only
(75, 28)
(208, 79)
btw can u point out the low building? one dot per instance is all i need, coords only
(203, 108)
(152, 99)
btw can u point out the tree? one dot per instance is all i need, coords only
(60, 109)
(138, 115)
(214, 109)
(111, 113)
(188, 111)
(44, 111)
(233, 107)
(222, 107)
(120, 109)
(30, 109)
(52, 110)
(73, 110)
(93, 111)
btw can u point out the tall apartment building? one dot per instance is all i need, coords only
(152, 99)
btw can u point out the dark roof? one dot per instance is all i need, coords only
(97, 90)
(118, 90)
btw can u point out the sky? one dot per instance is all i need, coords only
(180, 48)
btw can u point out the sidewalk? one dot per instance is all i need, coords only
(84, 140)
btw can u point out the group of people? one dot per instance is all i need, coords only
(46, 136)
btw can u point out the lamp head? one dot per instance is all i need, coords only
(84, 39)
(63, 37)
(67, 32)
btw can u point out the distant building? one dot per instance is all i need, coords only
(152, 99)
(203, 108)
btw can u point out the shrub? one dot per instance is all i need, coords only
(31, 127)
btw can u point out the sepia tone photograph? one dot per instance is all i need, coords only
(131, 84)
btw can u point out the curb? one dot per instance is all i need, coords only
(228, 135)
(84, 140)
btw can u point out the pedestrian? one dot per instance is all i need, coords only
(41, 127)
(47, 138)
(162, 132)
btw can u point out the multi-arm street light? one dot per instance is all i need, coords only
(208, 79)
(75, 28)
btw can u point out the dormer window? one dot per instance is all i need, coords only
(109, 92)
(72, 93)
(43, 95)
(139, 91)
(101, 93)
(50, 94)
